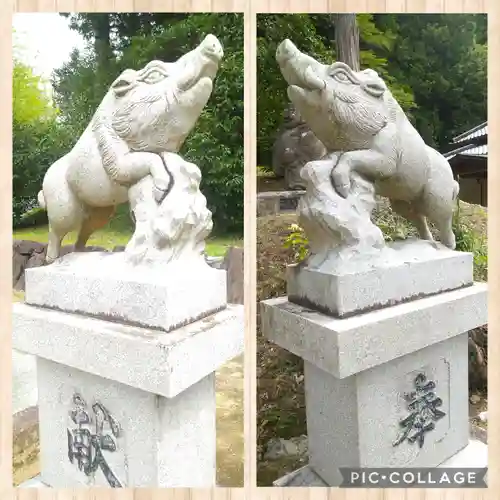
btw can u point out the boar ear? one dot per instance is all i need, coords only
(370, 73)
(124, 83)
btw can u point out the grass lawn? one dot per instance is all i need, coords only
(109, 238)
(118, 232)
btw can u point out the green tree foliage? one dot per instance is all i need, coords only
(36, 145)
(271, 87)
(216, 143)
(434, 64)
(38, 138)
(315, 35)
(29, 102)
(443, 59)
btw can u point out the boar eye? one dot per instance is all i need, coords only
(341, 77)
(154, 76)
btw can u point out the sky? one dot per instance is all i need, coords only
(46, 41)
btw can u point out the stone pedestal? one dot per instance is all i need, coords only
(123, 404)
(371, 376)
(400, 272)
(106, 285)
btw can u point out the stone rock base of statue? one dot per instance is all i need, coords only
(106, 285)
(123, 404)
(372, 378)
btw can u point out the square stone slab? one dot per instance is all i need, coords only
(400, 272)
(107, 286)
(347, 346)
(151, 360)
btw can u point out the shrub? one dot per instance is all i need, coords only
(36, 145)
(35, 217)
(397, 228)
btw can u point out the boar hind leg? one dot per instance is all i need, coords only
(54, 245)
(95, 219)
(443, 219)
(446, 234)
(65, 214)
(438, 203)
(410, 212)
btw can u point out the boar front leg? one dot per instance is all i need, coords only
(129, 167)
(369, 164)
(133, 167)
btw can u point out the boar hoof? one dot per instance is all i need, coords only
(342, 189)
(159, 193)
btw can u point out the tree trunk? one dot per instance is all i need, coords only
(102, 39)
(347, 39)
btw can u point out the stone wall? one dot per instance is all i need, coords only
(275, 202)
(26, 254)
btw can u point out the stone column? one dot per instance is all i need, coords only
(384, 344)
(126, 357)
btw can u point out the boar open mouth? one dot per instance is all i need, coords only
(200, 66)
(300, 71)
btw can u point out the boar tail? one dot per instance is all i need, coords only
(456, 190)
(41, 200)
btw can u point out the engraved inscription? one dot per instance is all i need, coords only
(423, 405)
(93, 433)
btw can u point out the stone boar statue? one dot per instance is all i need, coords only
(355, 115)
(145, 113)
(293, 148)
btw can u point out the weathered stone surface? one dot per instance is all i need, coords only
(151, 360)
(66, 249)
(267, 205)
(24, 251)
(27, 247)
(275, 202)
(397, 273)
(357, 369)
(106, 285)
(28, 254)
(18, 265)
(355, 421)
(163, 443)
(36, 260)
(344, 347)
